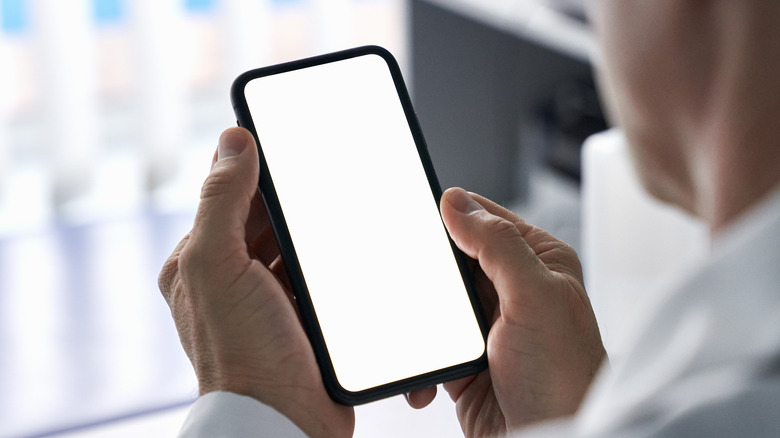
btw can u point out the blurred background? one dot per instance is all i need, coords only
(109, 114)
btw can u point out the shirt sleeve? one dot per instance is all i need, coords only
(226, 415)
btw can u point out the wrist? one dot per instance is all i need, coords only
(310, 409)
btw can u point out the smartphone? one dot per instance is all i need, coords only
(385, 297)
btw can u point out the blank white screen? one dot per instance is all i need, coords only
(374, 253)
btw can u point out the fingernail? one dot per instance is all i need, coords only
(231, 143)
(463, 202)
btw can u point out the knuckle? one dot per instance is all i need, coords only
(191, 257)
(500, 228)
(169, 273)
(200, 257)
(500, 237)
(167, 276)
(216, 182)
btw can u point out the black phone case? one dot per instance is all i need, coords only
(289, 257)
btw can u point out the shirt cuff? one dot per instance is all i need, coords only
(222, 414)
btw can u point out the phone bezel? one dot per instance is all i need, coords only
(290, 259)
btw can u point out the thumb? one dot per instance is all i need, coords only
(495, 239)
(226, 196)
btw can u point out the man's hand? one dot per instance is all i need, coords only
(226, 287)
(544, 346)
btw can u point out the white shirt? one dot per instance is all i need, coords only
(706, 363)
(227, 415)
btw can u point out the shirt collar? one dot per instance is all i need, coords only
(757, 219)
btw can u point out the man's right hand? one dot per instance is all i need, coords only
(544, 346)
